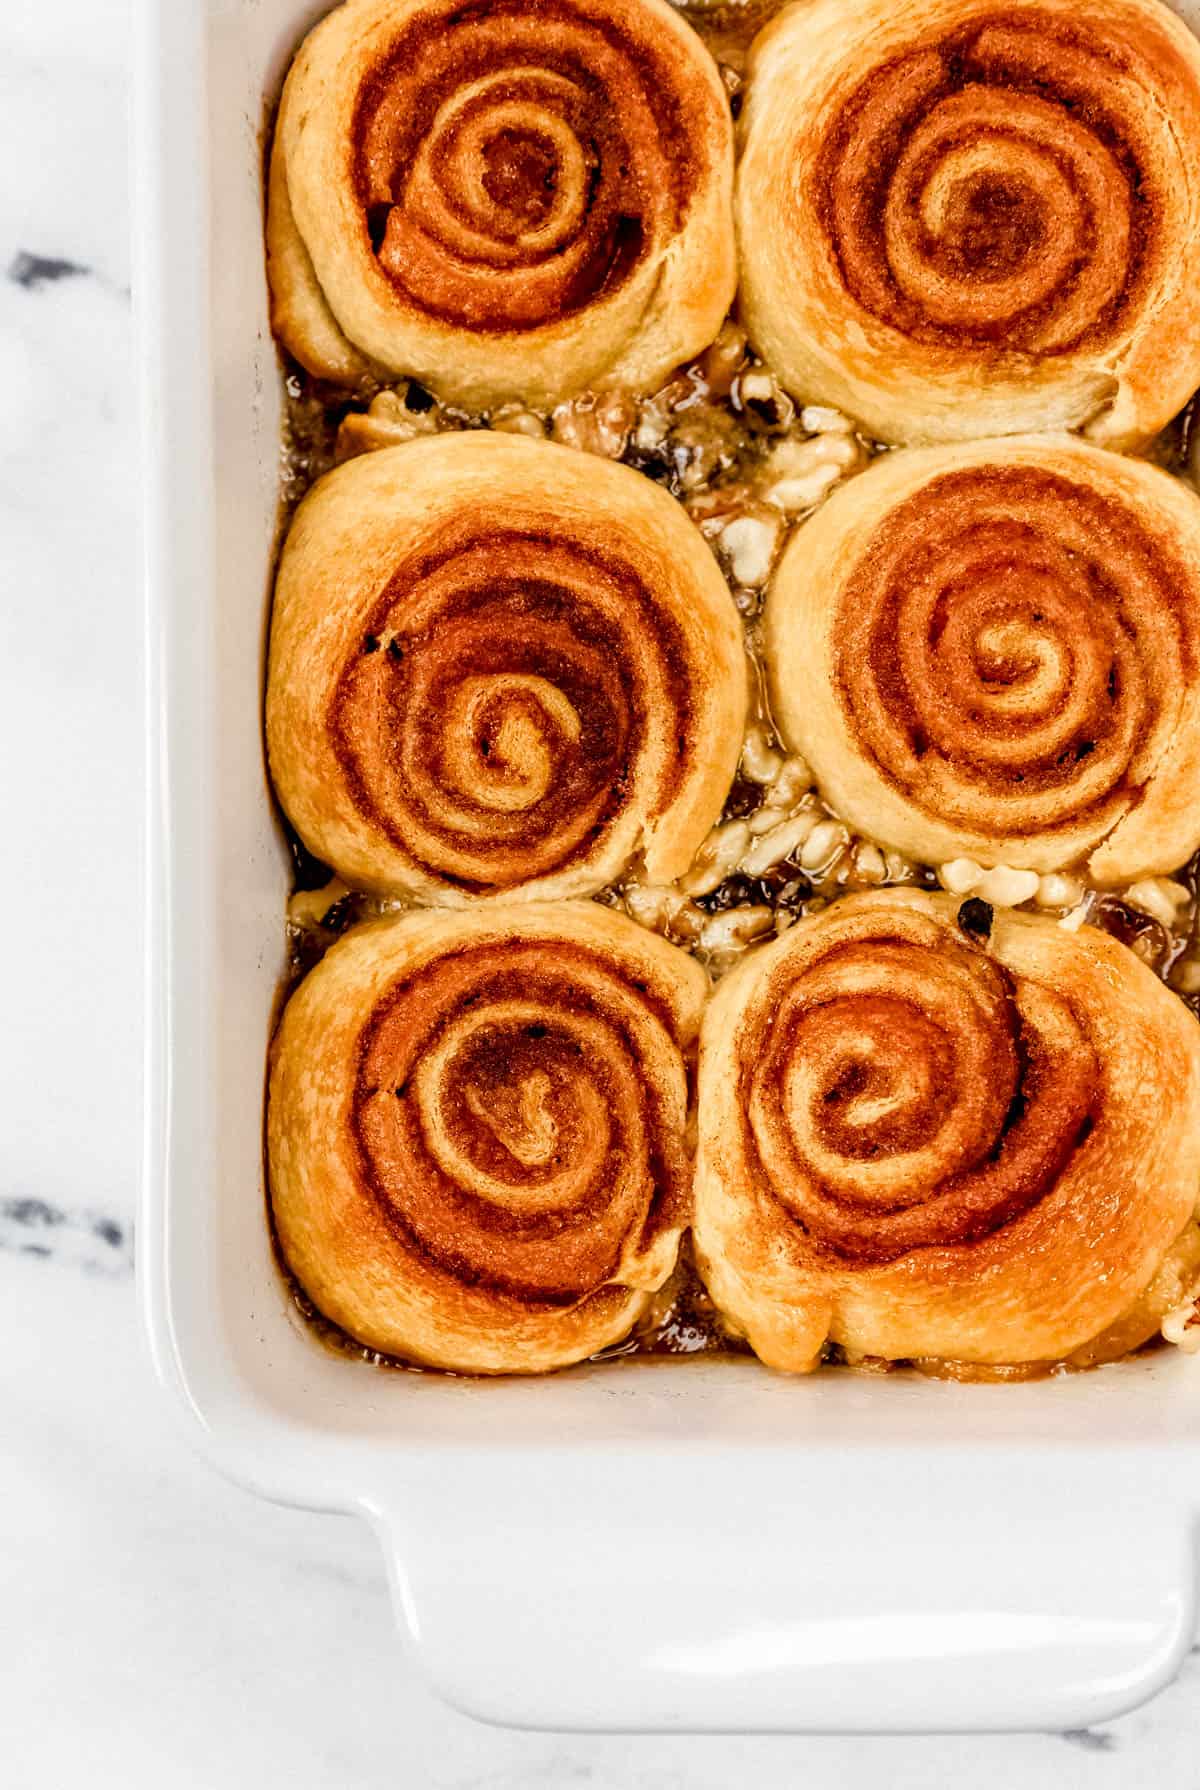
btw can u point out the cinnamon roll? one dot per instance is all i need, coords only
(503, 200)
(499, 665)
(476, 1132)
(970, 217)
(993, 651)
(931, 1132)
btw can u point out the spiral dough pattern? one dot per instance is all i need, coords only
(497, 665)
(505, 200)
(477, 1132)
(1002, 194)
(993, 651)
(918, 1141)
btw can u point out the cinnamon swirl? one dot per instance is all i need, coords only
(499, 665)
(476, 1132)
(934, 1133)
(969, 217)
(504, 200)
(994, 651)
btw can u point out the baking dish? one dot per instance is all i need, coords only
(690, 1545)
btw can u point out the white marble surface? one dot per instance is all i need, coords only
(158, 1627)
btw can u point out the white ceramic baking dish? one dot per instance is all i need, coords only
(674, 1545)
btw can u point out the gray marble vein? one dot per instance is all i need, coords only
(93, 1241)
(33, 271)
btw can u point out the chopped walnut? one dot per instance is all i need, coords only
(823, 845)
(746, 533)
(308, 907)
(817, 418)
(1164, 900)
(1005, 887)
(1185, 976)
(710, 510)
(1002, 886)
(1058, 891)
(764, 819)
(514, 419)
(792, 782)
(682, 436)
(758, 396)
(727, 934)
(596, 423)
(717, 858)
(393, 417)
(761, 762)
(721, 363)
(664, 909)
(1181, 1326)
(750, 542)
(899, 868)
(960, 876)
(731, 80)
(683, 391)
(780, 841)
(870, 865)
(701, 445)
(798, 474)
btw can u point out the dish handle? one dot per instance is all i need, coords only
(589, 1590)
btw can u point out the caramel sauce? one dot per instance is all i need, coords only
(711, 452)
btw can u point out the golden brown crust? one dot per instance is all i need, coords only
(994, 651)
(917, 1143)
(499, 666)
(300, 316)
(503, 200)
(966, 217)
(476, 1132)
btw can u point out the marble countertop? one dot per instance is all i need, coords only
(161, 1628)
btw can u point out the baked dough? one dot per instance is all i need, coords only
(993, 651)
(505, 200)
(921, 1142)
(500, 666)
(476, 1132)
(960, 218)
